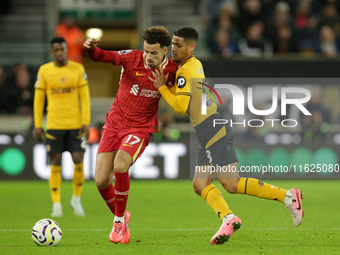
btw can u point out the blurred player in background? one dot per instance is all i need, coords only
(131, 120)
(216, 143)
(64, 82)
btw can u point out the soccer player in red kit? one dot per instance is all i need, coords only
(131, 120)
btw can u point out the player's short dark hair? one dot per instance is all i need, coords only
(157, 34)
(188, 33)
(57, 40)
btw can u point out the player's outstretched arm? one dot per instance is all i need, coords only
(96, 54)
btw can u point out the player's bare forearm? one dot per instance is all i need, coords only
(159, 79)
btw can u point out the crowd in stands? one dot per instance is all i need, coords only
(17, 89)
(261, 28)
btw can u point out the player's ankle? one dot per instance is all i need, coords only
(229, 216)
(118, 219)
(288, 198)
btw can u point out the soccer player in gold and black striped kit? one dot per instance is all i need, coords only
(64, 83)
(216, 143)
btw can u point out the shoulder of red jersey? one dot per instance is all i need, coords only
(130, 58)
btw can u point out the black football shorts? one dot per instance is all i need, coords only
(216, 143)
(58, 141)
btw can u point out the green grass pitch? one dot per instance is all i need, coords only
(169, 218)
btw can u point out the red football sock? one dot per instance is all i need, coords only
(108, 195)
(122, 184)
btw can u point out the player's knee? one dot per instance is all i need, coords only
(197, 190)
(198, 187)
(77, 158)
(55, 159)
(120, 167)
(102, 182)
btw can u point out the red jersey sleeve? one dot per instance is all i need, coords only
(98, 55)
(123, 57)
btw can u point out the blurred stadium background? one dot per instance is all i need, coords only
(246, 39)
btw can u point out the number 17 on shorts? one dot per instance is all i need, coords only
(135, 144)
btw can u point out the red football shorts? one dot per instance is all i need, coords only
(131, 140)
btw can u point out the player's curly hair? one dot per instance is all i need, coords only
(188, 33)
(157, 34)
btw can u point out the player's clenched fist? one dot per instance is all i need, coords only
(91, 43)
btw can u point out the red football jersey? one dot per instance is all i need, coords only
(136, 103)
